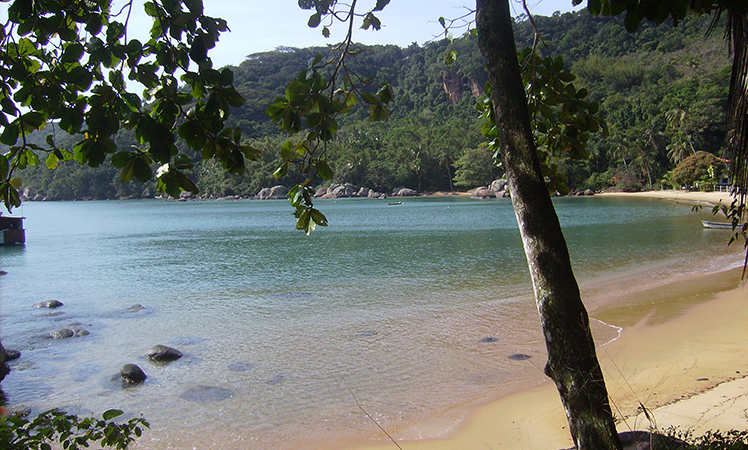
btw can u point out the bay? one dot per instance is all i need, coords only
(406, 310)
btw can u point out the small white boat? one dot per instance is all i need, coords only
(721, 225)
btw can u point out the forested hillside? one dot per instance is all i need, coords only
(662, 92)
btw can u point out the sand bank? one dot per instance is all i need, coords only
(680, 355)
(695, 197)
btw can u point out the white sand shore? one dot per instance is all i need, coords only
(687, 368)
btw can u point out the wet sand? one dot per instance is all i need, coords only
(680, 356)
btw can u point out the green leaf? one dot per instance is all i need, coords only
(314, 20)
(380, 5)
(282, 170)
(324, 170)
(10, 134)
(286, 150)
(52, 161)
(111, 414)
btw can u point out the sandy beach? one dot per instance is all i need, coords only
(680, 356)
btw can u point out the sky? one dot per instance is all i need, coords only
(261, 26)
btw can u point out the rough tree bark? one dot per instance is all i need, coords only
(572, 360)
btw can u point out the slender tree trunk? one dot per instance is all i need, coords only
(572, 361)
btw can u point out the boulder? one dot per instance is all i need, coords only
(320, 192)
(481, 192)
(406, 192)
(10, 355)
(68, 332)
(498, 185)
(589, 192)
(162, 353)
(278, 191)
(132, 374)
(264, 194)
(48, 304)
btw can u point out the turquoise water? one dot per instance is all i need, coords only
(388, 306)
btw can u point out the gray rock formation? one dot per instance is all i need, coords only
(406, 192)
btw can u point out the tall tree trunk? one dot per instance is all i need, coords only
(572, 361)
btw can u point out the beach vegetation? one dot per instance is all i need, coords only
(55, 428)
(699, 171)
(711, 440)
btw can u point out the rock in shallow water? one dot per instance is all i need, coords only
(48, 304)
(10, 355)
(162, 353)
(68, 332)
(519, 357)
(132, 374)
(202, 393)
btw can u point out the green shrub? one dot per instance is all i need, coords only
(71, 431)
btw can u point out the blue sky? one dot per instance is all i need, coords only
(259, 26)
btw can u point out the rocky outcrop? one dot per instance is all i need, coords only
(452, 84)
(273, 193)
(48, 304)
(405, 192)
(482, 192)
(496, 189)
(132, 374)
(347, 190)
(162, 353)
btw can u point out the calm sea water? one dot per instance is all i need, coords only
(388, 307)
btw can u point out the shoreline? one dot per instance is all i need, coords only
(697, 381)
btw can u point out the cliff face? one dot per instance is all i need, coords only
(455, 86)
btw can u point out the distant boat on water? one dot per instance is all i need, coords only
(721, 225)
(11, 230)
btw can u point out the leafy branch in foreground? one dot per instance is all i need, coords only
(65, 65)
(325, 90)
(70, 431)
(561, 117)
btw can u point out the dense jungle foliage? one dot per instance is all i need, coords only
(662, 92)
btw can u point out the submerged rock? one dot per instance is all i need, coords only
(240, 366)
(489, 339)
(135, 308)
(519, 357)
(132, 374)
(202, 393)
(68, 332)
(48, 304)
(162, 353)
